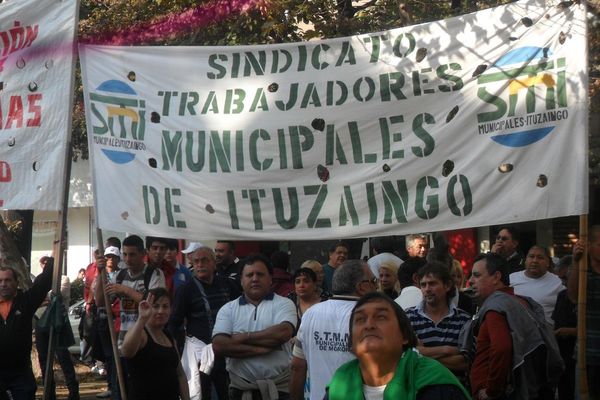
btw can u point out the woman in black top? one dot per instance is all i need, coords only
(152, 357)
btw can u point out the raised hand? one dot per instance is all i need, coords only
(577, 251)
(145, 307)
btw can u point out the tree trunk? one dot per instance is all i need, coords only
(10, 256)
(22, 236)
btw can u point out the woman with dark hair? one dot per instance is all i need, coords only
(388, 365)
(306, 291)
(153, 361)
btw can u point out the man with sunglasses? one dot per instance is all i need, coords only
(506, 246)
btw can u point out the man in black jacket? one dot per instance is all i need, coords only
(16, 311)
(196, 304)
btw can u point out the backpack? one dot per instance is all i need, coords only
(147, 276)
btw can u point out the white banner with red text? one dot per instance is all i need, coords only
(36, 66)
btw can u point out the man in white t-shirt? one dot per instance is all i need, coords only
(254, 333)
(536, 282)
(321, 345)
(131, 284)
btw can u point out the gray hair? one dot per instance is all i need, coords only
(347, 276)
(205, 248)
(411, 238)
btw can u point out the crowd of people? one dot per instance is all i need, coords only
(399, 325)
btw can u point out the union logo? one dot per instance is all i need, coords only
(118, 121)
(527, 96)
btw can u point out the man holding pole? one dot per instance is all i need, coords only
(592, 317)
(16, 311)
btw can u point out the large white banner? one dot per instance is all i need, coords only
(470, 121)
(36, 65)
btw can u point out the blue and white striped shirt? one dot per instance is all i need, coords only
(444, 333)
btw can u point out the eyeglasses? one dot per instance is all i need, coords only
(502, 238)
(372, 280)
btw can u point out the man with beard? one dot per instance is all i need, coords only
(227, 262)
(436, 320)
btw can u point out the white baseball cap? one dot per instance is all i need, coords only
(192, 247)
(112, 250)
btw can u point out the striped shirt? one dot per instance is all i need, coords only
(444, 333)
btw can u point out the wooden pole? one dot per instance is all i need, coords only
(109, 317)
(581, 309)
(58, 254)
(59, 246)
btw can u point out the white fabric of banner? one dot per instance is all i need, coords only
(475, 120)
(36, 66)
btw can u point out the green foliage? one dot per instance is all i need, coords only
(76, 291)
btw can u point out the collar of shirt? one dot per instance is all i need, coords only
(5, 306)
(421, 310)
(243, 300)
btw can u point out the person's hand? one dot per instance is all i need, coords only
(100, 263)
(564, 332)
(145, 307)
(577, 251)
(494, 249)
(481, 395)
(115, 289)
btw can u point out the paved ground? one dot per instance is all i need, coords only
(89, 384)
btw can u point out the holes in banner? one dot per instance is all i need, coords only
(124, 215)
(11, 141)
(152, 162)
(546, 50)
(131, 76)
(547, 16)
(33, 86)
(505, 168)
(318, 124)
(562, 37)
(513, 38)
(323, 173)
(210, 209)
(36, 166)
(155, 117)
(542, 181)
(479, 70)
(452, 114)
(21, 63)
(421, 54)
(526, 21)
(273, 87)
(447, 168)
(49, 64)
(386, 168)
(39, 188)
(1, 86)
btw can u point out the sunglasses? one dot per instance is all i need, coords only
(502, 238)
